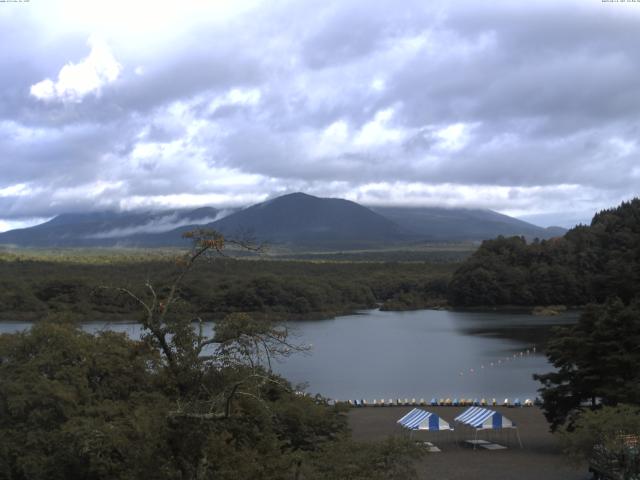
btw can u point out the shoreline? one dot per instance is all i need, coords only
(7, 317)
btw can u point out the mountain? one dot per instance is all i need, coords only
(109, 228)
(436, 224)
(299, 219)
(295, 220)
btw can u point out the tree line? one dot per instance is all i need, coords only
(31, 289)
(587, 265)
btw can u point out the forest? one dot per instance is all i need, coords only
(588, 264)
(86, 286)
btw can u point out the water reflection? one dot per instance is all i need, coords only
(424, 354)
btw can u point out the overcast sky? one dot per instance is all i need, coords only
(528, 108)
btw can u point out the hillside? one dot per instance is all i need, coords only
(299, 219)
(295, 221)
(461, 224)
(590, 263)
(96, 229)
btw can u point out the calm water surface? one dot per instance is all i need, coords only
(425, 353)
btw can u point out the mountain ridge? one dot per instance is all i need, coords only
(295, 220)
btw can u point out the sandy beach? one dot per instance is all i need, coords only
(540, 459)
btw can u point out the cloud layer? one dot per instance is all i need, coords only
(75, 81)
(527, 108)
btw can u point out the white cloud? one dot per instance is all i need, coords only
(236, 96)
(622, 147)
(96, 190)
(453, 137)
(161, 224)
(186, 200)
(11, 224)
(379, 131)
(332, 140)
(517, 199)
(17, 190)
(75, 81)
(378, 84)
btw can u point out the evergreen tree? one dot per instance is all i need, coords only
(596, 362)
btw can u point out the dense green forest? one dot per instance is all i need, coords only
(588, 264)
(175, 404)
(86, 286)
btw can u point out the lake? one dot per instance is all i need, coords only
(424, 353)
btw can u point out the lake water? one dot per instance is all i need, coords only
(425, 353)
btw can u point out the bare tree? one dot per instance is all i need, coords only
(239, 343)
(209, 371)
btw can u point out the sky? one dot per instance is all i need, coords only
(531, 108)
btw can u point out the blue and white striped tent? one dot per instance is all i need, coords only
(418, 419)
(480, 418)
(483, 419)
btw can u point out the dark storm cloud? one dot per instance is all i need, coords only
(507, 105)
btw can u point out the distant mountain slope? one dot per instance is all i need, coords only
(108, 228)
(295, 220)
(304, 220)
(460, 224)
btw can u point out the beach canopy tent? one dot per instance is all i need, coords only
(418, 419)
(484, 419)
